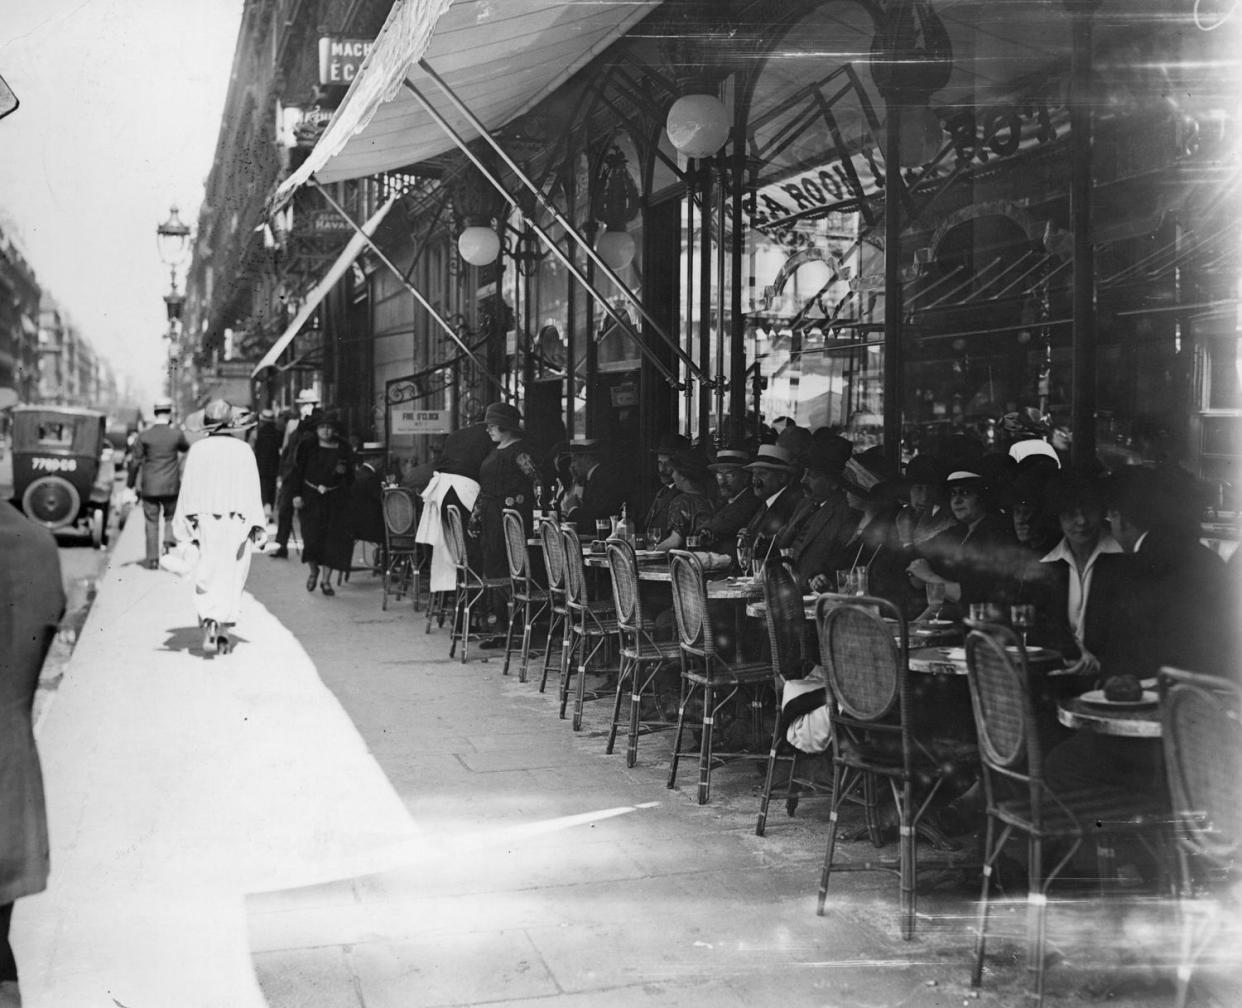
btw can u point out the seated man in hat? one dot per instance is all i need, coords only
(595, 493)
(774, 482)
(656, 523)
(738, 502)
(817, 537)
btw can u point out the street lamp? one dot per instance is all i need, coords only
(172, 240)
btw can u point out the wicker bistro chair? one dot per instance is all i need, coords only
(527, 598)
(786, 623)
(402, 555)
(642, 654)
(590, 625)
(471, 586)
(1018, 799)
(554, 565)
(864, 645)
(1201, 719)
(704, 670)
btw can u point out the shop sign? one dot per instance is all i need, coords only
(977, 136)
(625, 394)
(329, 222)
(340, 58)
(412, 421)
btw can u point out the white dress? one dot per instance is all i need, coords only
(219, 506)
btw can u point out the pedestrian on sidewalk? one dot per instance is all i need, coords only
(322, 475)
(296, 431)
(31, 603)
(221, 509)
(455, 482)
(266, 446)
(155, 472)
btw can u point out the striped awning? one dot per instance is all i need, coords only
(500, 58)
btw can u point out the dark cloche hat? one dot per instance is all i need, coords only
(504, 416)
(669, 444)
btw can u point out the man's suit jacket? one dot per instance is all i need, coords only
(819, 537)
(602, 497)
(156, 465)
(657, 519)
(767, 522)
(732, 517)
(1049, 591)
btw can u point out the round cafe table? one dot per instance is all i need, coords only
(1123, 722)
(952, 661)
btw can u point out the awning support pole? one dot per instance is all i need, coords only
(892, 282)
(551, 245)
(379, 254)
(543, 202)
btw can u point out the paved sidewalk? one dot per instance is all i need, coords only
(228, 831)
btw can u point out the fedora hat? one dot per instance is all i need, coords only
(586, 446)
(307, 397)
(770, 456)
(925, 470)
(670, 443)
(729, 458)
(825, 457)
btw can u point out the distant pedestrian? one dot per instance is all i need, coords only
(220, 508)
(267, 440)
(31, 603)
(296, 431)
(366, 509)
(321, 477)
(155, 473)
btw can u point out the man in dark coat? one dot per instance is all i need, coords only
(817, 536)
(366, 511)
(656, 523)
(267, 438)
(596, 492)
(31, 603)
(296, 431)
(155, 471)
(738, 502)
(774, 481)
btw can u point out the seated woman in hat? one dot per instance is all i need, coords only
(966, 558)
(695, 502)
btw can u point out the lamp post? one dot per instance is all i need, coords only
(172, 240)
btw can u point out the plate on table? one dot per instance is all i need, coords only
(938, 623)
(1096, 698)
(953, 653)
(1031, 652)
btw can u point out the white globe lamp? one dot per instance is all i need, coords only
(698, 125)
(479, 245)
(616, 247)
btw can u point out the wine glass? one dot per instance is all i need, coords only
(935, 598)
(1023, 618)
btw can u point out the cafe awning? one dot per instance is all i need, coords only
(355, 245)
(501, 58)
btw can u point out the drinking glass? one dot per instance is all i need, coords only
(692, 542)
(860, 580)
(845, 582)
(979, 612)
(1023, 618)
(935, 598)
(603, 528)
(744, 553)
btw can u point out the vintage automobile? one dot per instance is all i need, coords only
(62, 468)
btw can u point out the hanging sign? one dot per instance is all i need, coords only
(340, 58)
(412, 421)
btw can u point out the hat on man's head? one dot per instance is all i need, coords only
(728, 459)
(795, 440)
(267, 414)
(770, 456)
(924, 470)
(504, 416)
(586, 446)
(162, 405)
(307, 397)
(826, 457)
(671, 443)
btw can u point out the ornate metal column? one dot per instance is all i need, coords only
(911, 58)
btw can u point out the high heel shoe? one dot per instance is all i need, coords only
(327, 589)
(211, 633)
(312, 581)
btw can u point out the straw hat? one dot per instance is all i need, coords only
(770, 456)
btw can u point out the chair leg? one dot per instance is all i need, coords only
(687, 691)
(514, 608)
(623, 677)
(1036, 901)
(705, 743)
(795, 789)
(557, 623)
(527, 627)
(907, 852)
(573, 642)
(637, 689)
(839, 792)
(766, 797)
(580, 690)
(990, 853)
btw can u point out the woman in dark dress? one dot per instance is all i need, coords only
(322, 474)
(507, 479)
